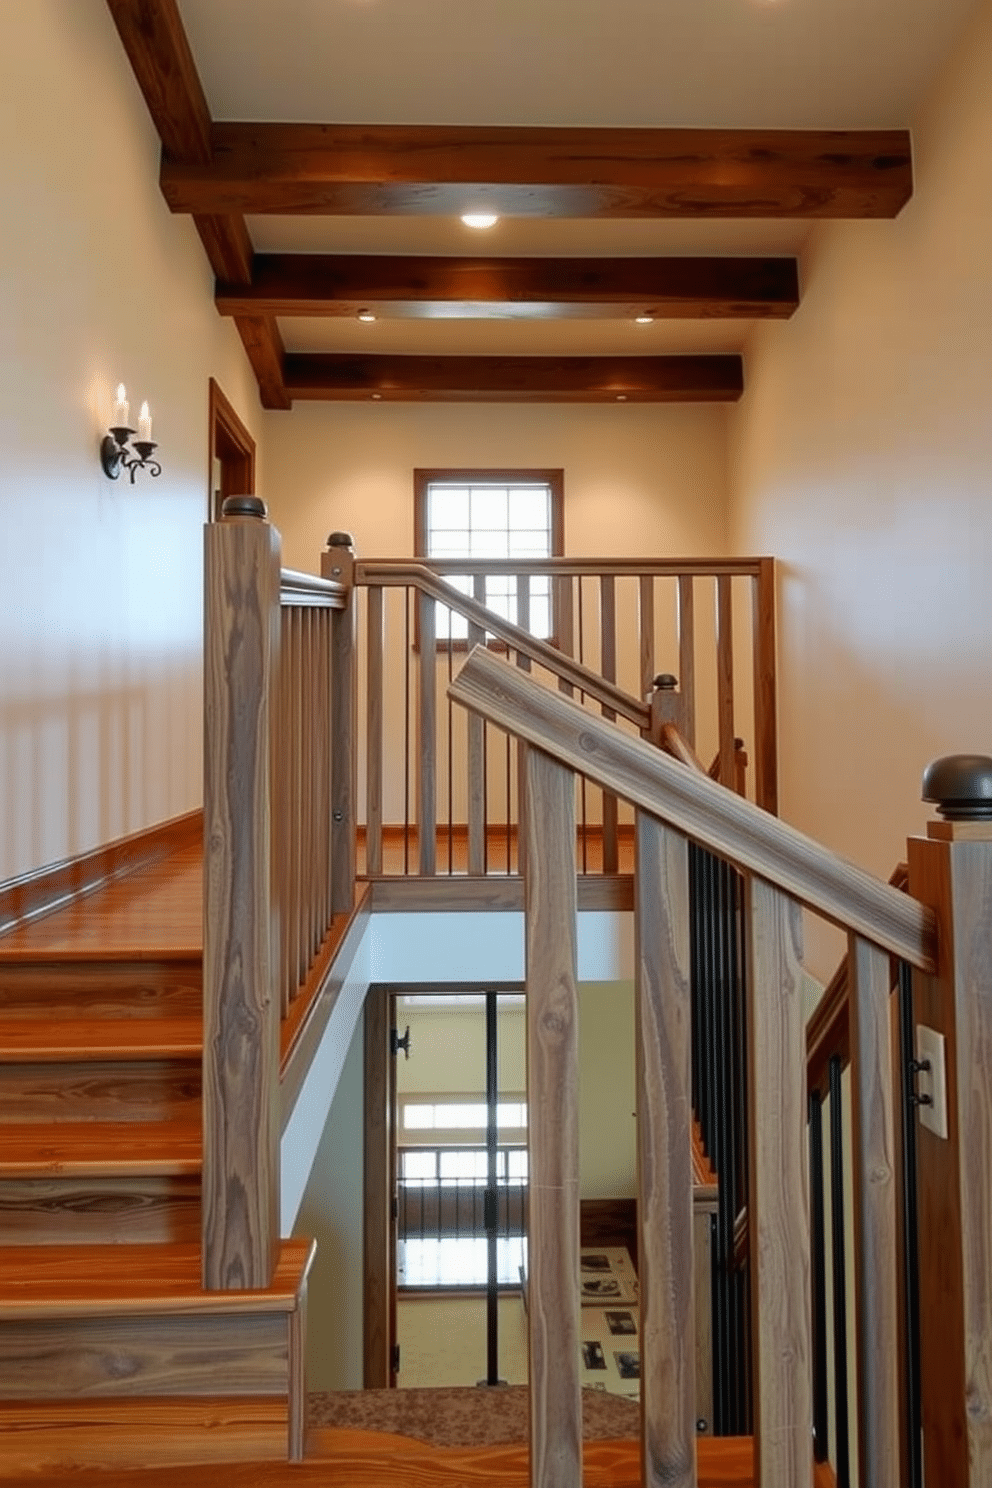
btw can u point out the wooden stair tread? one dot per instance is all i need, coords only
(99, 1148)
(91, 1280)
(37, 1039)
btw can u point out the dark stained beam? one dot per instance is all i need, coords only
(263, 344)
(536, 288)
(158, 49)
(514, 379)
(387, 170)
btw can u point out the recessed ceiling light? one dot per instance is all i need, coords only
(480, 219)
(366, 315)
(621, 397)
(376, 397)
(644, 319)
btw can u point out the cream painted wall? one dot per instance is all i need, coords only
(639, 481)
(861, 455)
(100, 582)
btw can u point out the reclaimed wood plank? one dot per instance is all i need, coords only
(552, 1096)
(778, 1210)
(664, 1156)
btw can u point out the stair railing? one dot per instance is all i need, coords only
(446, 799)
(784, 873)
(271, 695)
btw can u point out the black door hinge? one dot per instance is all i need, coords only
(396, 1043)
(396, 1358)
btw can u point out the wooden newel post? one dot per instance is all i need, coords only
(666, 704)
(240, 1204)
(338, 563)
(951, 871)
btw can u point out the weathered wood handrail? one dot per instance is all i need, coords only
(784, 870)
(426, 581)
(296, 588)
(717, 819)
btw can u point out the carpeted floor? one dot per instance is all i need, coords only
(464, 1417)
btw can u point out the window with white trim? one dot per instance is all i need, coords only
(492, 515)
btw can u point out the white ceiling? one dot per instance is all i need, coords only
(733, 63)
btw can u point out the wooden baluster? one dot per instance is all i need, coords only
(876, 1219)
(552, 1095)
(427, 736)
(645, 620)
(687, 657)
(523, 662)
(281, 806)
(725, 678)
(664, 1157)
(338, 563)
(951, 871)
(779, 1196)
(608, 667)
(476, 757)
(307, 775)
(326, 835)
(564, 622)
(374, 706)
(763, 641)
(295, 791)
(240, 1183)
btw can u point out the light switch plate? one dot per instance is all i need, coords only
(932, 1081)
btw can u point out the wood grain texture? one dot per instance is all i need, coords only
(954, 876)
(476, 790)
(113, 1090)
(778, 1210)
(427, 734)
(877, 1244)
(664, 1156)
(59, 1211)
(350, 377)
(54, 986)
(714, 817)
(51, 1443)
(687, 656)
(552, 1097)
(342, 284)
(764, 651)
(608, 668)
(375, 636)
(143, 1355)
(240, 1000)
(263, 344)
(398, 570)
(33, 895)
(382, 170)
(160, 56)
(645, 632)
(297, 1381)
(338, 564)
(83, 1149)
(725, 678)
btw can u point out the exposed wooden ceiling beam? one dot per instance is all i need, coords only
(535, 288)
(387, 170)
(514, 379)
(159, 52)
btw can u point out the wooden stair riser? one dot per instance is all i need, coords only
(61, 1437)
(109, 1211)
(119, 1090)
(143, 1355)
(56, 988)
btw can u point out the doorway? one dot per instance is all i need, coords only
(231, 453)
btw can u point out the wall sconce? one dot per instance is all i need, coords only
(115, 451)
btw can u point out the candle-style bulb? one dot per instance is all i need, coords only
(121, 409)
(145, 424)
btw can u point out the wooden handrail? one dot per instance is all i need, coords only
(679, 748)
(378, 571)
(718, 819)
(297, 588)
(426, 581)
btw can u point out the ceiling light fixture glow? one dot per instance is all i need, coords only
(644, 319)
(480, 219)
(366, 315)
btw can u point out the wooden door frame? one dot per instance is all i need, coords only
(231, 444)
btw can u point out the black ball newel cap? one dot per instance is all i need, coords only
(960, 785)
(340, 540)
(665, 682)
(244, 506)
